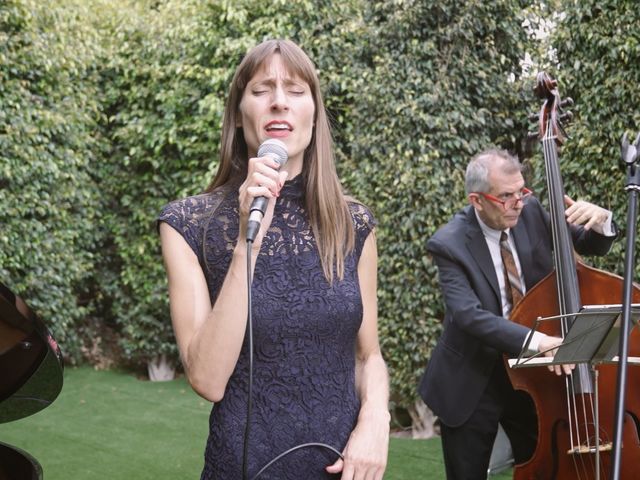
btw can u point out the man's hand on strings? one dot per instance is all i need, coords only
(584, 213)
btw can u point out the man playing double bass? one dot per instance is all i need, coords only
(487, 256)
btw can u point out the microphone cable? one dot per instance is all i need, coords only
(247, 428)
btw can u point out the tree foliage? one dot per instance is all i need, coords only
(110, 109)
(50, 204)
(439, 82)
(597, 50)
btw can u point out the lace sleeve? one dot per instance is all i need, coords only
(364, 222)
(179, 214)
(189, 217)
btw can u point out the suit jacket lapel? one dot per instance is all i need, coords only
(477, 246)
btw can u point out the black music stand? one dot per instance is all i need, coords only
(594, 335)
(593, 338)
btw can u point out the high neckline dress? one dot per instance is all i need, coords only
(304, 337)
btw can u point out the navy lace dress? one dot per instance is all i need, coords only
(304, 338)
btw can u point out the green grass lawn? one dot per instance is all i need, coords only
(110, 425)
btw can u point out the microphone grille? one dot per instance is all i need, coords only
(276, 149)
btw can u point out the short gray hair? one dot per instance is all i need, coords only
(477, 175)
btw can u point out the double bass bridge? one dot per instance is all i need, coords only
(583, 449)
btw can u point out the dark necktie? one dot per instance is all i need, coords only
(511, 276)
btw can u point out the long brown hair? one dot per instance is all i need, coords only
(329, 214)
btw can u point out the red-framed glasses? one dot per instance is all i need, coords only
(513, 199)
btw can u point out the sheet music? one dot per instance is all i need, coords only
(592, 338)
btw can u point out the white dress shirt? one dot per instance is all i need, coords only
(492, 237)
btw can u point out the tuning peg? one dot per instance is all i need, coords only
(533, 117)
(561, 134)
(533, 135)
(566, 116)
(567, 102)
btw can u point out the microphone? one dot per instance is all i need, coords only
(278, 151)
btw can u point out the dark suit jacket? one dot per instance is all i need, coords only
(475, 333)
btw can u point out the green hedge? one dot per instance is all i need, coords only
(598, 50)
(112, 108)
(439, 83)
(50, 204)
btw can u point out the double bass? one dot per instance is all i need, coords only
(575, 412)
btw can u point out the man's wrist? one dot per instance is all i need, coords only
(608, 227)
